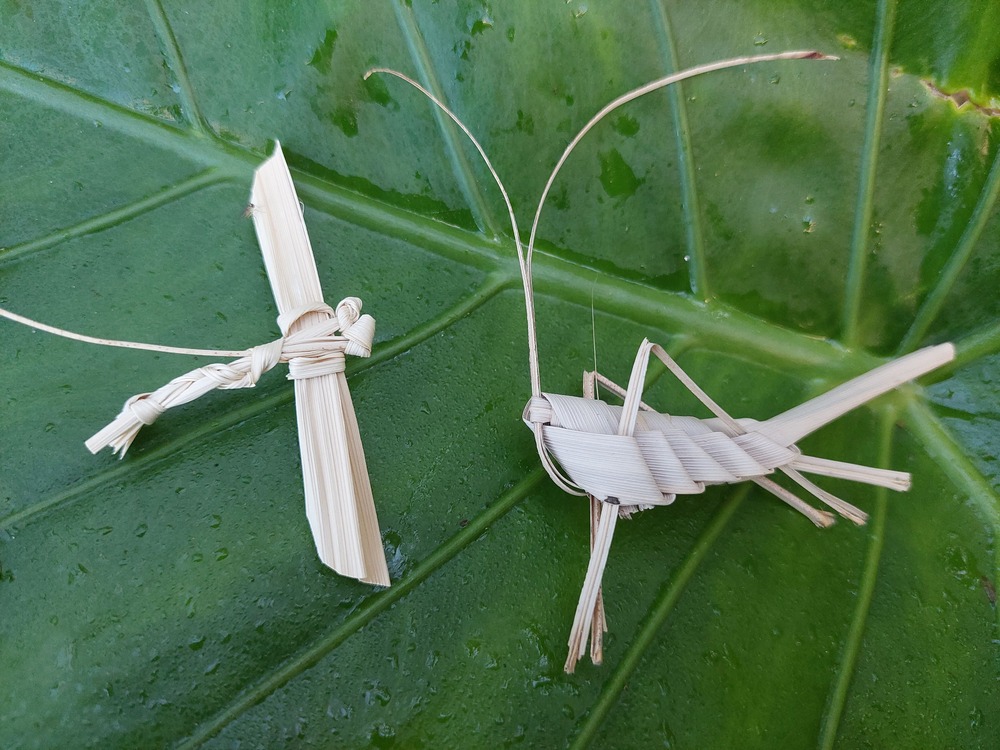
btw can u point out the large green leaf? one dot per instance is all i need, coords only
(780, 228)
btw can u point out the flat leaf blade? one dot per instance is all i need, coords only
(174, 598)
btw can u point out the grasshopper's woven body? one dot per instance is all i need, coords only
(634, 456)
(667, 455)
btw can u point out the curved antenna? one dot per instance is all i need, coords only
(645, 89)
(529, 298)
(120, 344)
(524, 256)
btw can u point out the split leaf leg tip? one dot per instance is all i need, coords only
(571, 661)
(823, 519)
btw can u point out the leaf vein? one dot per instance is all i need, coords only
(852, 645)
(95, 224)
(464, 173)
(948, 454)
(963, 251)
(983, 342)
(694, 234)
(175, 61)
(373, 607)
(864, 211)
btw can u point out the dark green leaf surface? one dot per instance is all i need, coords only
(779, 228)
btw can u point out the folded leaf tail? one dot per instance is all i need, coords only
(796, 423)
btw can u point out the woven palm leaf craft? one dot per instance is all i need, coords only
(631, 457)
(315, 339)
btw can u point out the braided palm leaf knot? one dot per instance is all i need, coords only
(315, 349)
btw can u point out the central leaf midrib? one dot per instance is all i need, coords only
(847, 662)
(554, 275)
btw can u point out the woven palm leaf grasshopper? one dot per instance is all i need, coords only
(631, 457)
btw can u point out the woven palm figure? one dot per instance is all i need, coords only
(631, 457)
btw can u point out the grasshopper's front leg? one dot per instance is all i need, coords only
(590, 609)
(599, 625)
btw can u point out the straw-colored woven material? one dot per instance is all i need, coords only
(665, 456)
(630, 458)
(317, 349)
(338, 493)
(314, 342)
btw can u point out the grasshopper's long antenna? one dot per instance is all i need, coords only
(529, 295)
(529, 299)
(642, 91)
(524, 256)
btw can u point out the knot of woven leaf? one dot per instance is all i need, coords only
(315, 349)
(314, 343)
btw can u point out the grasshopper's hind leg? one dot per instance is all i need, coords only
(819, 517)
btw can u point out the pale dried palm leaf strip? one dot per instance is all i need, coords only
(589, 607)
(683, 454)
(893, 480)
(144, 408)
(586, 607)
(339, 503)
(842, 507)
(794, 424)
(599, 624)
(819, 517)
